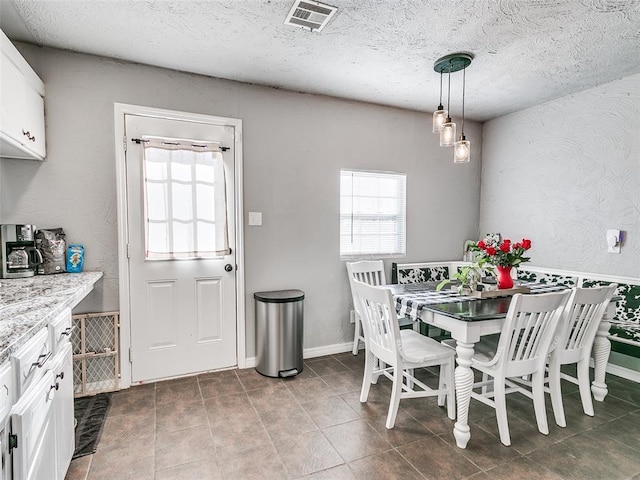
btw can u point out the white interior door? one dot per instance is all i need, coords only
(182, 291)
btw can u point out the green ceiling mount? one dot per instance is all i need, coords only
(452, 62)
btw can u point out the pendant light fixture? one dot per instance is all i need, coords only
(440, 114)
(462, 148)
(448, 131)
(450, 64)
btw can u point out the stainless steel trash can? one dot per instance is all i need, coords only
(279, 328)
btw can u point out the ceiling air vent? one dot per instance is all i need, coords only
(310, 15)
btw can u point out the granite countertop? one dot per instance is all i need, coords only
(28, 304)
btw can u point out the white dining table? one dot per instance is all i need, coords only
(468, 319)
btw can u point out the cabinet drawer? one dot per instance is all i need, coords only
(31, 361)
(6, 391)
(60, 331)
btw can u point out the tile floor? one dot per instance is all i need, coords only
(238, 424)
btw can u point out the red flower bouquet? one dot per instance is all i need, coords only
(503, 253)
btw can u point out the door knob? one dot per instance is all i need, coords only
(228, 267)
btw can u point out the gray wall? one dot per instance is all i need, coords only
(294, 146)
(563, 173)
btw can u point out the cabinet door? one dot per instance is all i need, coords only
(33, 428)
(21, 116)
(63, 407)
(34, 121)
(12, 87)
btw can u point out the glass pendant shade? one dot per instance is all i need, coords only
(439, 117)
(462, 150)
(448, 133)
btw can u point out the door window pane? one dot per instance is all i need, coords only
(184, 195)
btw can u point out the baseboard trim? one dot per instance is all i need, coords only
(250, 362)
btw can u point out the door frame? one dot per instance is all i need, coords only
(120, 110)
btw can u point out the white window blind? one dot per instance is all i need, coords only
(185, 199)
(372, 214)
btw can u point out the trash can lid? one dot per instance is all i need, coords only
(279, 296)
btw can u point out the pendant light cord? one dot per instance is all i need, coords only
(440, 88)
(449, 94)
(464, 82)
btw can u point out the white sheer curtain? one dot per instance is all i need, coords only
(185, 199)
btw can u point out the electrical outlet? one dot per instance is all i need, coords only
(352, 316)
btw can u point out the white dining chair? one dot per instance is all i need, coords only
(525, 340)
(370, 272)
(573, 344)
(400, 352)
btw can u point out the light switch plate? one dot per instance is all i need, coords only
(614, 239)
(255, 219)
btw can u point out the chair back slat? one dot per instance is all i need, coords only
(583, 314)
(370, 272)
(528, 331)
(371, 278)
(379, 321)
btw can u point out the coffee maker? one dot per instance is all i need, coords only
(19, 254)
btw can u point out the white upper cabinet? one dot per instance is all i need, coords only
(21, 106)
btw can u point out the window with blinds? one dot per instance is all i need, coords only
(372, 214)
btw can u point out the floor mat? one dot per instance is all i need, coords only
(90, 413)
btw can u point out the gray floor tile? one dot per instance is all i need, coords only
(583, 457)
(436, 459)
(406, 429)
(274, 395)
(341, 472)
(309, 389)
(307, 453)
(124, 460)
(356, 440)
(174, 391)
(256, 463)
(383, 466)
(180, 415)
(206, 469)
(329, 411)
(326, 366)
(282, 423)
(345, 382)
(521, 468)
(239, 434)
(127, 428)
(183, 446)
(251, 379)
(483, 449)
(229, 408)
(216, 385)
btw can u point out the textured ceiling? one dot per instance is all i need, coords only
(379, 51)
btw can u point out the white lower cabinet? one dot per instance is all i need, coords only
(39, 438)
(63, 407)
(32, 436)
(6, 398)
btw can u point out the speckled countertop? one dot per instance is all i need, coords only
(28, 304)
